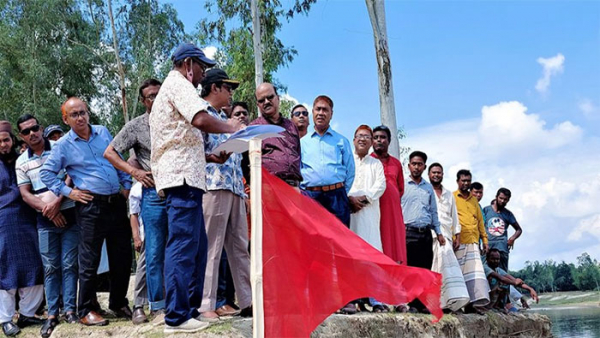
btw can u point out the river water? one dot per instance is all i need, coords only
(573, 321)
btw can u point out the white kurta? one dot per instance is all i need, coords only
(369, 181)
(454, 290)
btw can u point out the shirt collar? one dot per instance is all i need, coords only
(328, 131)
(47, 147)
(73, 135)
(410, 181)
(458, 194)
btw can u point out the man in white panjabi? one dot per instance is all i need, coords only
(367, 188)
(454, 290)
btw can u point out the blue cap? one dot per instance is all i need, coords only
(189, 50)
(52, 128)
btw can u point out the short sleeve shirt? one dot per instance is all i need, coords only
(177, 146)
(493, 281)
(226, 176)
(496, 226)
(28, 168)
(135, 134)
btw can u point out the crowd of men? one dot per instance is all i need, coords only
(66, 196)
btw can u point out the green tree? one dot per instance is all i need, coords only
(564, 277)
(588, 273)
(45, 57)
(229, 26)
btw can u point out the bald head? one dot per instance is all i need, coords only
(75, 114)
(268, 101)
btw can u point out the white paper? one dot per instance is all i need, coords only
(238, 142)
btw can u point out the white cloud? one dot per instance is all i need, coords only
(588, 108)
(210, 52)
(551, 67)
(549, 169)
(589, 225)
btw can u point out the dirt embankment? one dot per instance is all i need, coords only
(368, 325)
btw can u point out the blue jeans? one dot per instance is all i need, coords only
(58, 248)
(335, 201)
(154, 216)
(185, 254)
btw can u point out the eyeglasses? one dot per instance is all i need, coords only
(363, 137)
(151, 97)
(31, 129)
(300, 112)
(227, 87)
(269, 97)
(76, 114)
(240, 112)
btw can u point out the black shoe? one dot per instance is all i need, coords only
(48, 327)
(72, 318)
(25, 321)
(10, 329)
(247, 312)
(124, 312)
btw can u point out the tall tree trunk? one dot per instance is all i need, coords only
(119, 64)
(376, 10)
(256, 38)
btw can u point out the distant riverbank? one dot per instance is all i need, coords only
(568, 299)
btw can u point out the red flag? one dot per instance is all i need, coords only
(313, 265)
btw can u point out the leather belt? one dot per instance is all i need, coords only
(106, 198)
(418, 229)
(326, 188)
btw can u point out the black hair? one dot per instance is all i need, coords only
(206, 89)
(503, 191)
(26, 117)
(383, 129)
(239, 104)
(146, 84)
(476, 186)
(435, 164)
(463, 172)
(418, 154)
(298, 106)
(489, 253)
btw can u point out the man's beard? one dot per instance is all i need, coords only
(11, 155)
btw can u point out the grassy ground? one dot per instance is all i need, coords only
(579, 298)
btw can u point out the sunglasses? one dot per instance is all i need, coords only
(240, 112)
(270, 98)
(76, 114)
(31, 129)
(300, 112)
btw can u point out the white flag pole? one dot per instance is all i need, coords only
(256, 273)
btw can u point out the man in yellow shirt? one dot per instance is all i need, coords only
(468, 253)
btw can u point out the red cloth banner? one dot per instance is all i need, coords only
(313, 265)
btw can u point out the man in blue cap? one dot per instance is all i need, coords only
(53, 132)
(178, 118)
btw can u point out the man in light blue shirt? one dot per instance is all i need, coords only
(420, 216)
(327, 163)
(101, 209)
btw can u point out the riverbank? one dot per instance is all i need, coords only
(568, 299)
(342, 326)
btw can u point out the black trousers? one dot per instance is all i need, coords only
(99, 220)
(419, 253)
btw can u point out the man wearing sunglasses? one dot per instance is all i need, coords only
(177, 122)
(57, 228)
(280, 155)
(136, 135)
(100, 191)
(223, 205)
(300, 119)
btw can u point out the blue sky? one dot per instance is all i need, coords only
(538, 135)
